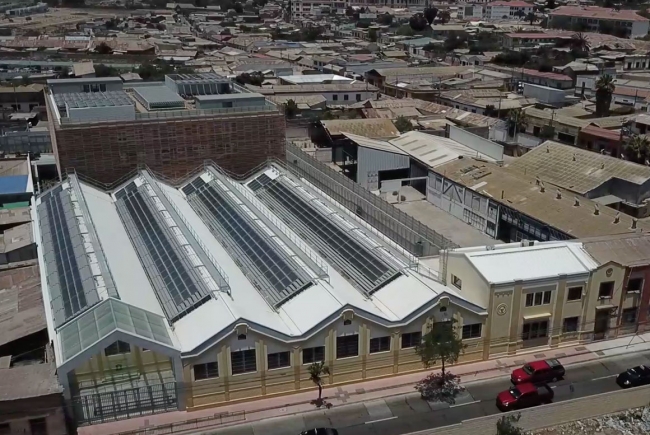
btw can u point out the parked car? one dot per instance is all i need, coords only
(634, 377)
(321, 431)
(524, 396)
(548, 370)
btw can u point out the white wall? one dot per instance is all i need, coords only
(477, 143)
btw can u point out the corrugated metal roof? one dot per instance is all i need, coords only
(375, 144)
(372, 128)
(628, 250)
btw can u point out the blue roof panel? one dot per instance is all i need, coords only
(13, 184)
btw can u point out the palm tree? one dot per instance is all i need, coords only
(579, 42)
(516, 121)
(637, 149)
(604, 90)
(316, 372)
(444, 16)
(531, 17)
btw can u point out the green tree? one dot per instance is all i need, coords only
(418, 23)
(430, 14)
(405, 31)
(317, 371)
(516, 121)
(579, 42)
(520, 13)
(290, 109)
(604, 89)
(403, 124)
(644, 12)
(441, 344)
(25, 80)
(102, 70)
(531, 17)
(372, 35)
(637, 149)
(550, 4)
(385, 19)
(238, 8)
(506, 425)
(103, 48)
(444, 16)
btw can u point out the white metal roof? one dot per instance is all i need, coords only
(538, 262)
(307, 312)
(434, 150)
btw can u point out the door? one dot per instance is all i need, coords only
(601, 325)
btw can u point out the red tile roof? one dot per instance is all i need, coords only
(513, 4)
(592, 130)
(538, 35)
(546, 75)
(598, 12)
(632, 92)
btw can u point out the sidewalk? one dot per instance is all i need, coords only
(379, 388)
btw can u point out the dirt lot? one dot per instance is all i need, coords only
(631, 422)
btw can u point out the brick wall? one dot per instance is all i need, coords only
(554, 414)
(106, 152)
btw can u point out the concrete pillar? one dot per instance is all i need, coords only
(181, 391)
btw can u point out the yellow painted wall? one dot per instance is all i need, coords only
(605, 273)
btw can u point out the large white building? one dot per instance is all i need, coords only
(591, 18)
(228, 289)
(506, 10)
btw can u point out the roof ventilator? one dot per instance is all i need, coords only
(596, 209)
(634, 221)
(558, 195)
(576, 202)
(617, 218)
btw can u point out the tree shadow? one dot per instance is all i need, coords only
(320, 403)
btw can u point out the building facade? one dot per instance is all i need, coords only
(594, 18)
(106, 142)
(507, 10)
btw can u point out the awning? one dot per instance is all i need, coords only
(606, 307)
(537, 316)
(607, 199)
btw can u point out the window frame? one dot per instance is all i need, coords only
(538, 298)
(456, 282)
(209, 371)
(471, 332)
(527, 335)
(246, 361)
(344, 347)
(568, 294)
(625, 312)
(381, 346)
(611, 289)
(412, 336)
(636, 290)
(270, 356)
(119, 350)
(314, 354)
(565, 330)
(40, 422)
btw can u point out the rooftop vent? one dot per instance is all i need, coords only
(634, 221)
(558, 194)
(596, 209)
(574, 157)
(542, 188)
(576, 201)
(617, 218)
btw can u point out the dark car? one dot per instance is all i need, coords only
(634, 377)
(321, 431)
(548, 370)
(524, 396)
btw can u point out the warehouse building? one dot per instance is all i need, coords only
(217, 290)
(106, 129)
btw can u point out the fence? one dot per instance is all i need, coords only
(194, 424)
(554, 414)
(409, 233)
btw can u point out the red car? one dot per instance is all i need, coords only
(524, 396)
(548, 370)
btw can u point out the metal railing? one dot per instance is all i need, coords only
(175, 114)
(188, 425)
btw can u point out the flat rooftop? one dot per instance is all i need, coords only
(234, 96)
(21, 302)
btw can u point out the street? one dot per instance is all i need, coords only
(408, 413)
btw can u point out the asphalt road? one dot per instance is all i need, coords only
(409, 413)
